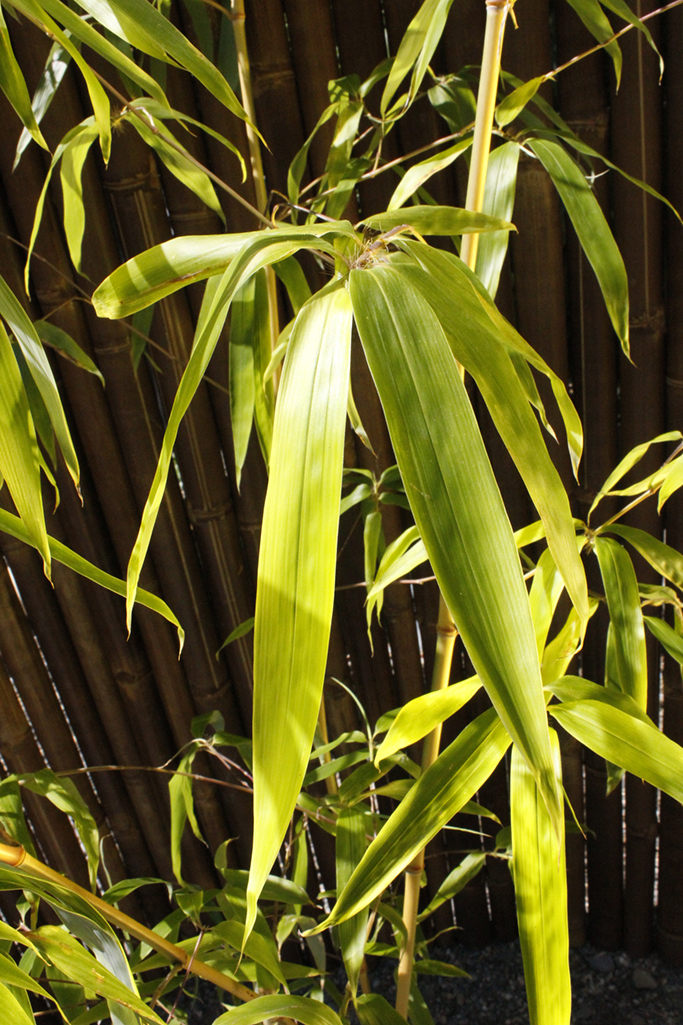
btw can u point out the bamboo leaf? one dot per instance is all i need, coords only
(374, 1009)
(55, 67)
(626, 619)
(416, 50)
(155, 108)
(672, 482)
(499, 200)
(628, 462)
(621, 8)
(240, 631)
(540, 878)
(663, 558)
(20, 458)
(41, 372)
(636, 745)
(577, 688)
(508, 109)
(12, 975)
(349, 850)
(297, 560)
(667, 637)
(594, 19)
(593, 232)
(165, 268)
(400, 558)
(302, 1009)
(456, 502)
(13, 525)
(436, 797)
(264, 396)
(546, 588)
(73, 159)
(12, 1010)
(416, 176)
(437, 220)
(63, 343)
(242, 372)
(476, 344)
(14, 87)
(67, 954)
(421, 715)
(454, 882)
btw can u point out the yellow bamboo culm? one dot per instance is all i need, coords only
(496, 16)
(18, 857)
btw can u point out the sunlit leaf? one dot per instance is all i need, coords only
(297, 567)
(63, 343)
(540, 879)
(626, 618)
(499, 200)
(437, 220)
(416, 50)
(302, 1009)
(665, 559)
(596, 22)
(508, 108)
(349, 850)
(628, 462)
(416, 176)
(671, 641)
(14, 87)
(420, 716)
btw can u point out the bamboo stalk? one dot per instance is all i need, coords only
(496, 15)
(17, 857)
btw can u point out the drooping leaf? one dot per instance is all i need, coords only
(417, 175)
(415, 51)
(671, 641)
(14, 87)
(13, 525)
(55, 68)
(455, 881)
(20, 459)
(349, 850)
(665, 559)
(63, 343)
(499, 200)
(540, 878)
(456, 502)
(297, 560)
(596, 22)
(626, 619)
(592, 230)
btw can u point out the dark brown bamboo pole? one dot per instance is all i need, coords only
(636, 131)
(669, 924)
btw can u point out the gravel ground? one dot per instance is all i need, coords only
(608, 989)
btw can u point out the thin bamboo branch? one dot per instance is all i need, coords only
(497, 11)
(17, 857)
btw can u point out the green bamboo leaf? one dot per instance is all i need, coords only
(82, 31)
(663, 558)
(73, 159)
(455, 881)
(476, 344)
(297, 560)
(14, 87)
(372, 532)
(456, 502)
(621, 8)
(374, 1009)
(20, 458)
(400, 558)
(40, 13)
(158, 137)
(421, 715)
(302, 1009)
(598, 25)
(349, 850)
(416, 50)
(298, 164)
(264, 395)
(671, 641)
(41, 372)
(628, 462)
(239, 631)
(55, 68)
(508, 109)
(437, 220)
(499, 200)
(418, 174)
(540, 879)
(145, 28)
(63, 343)
(165, 268)
(67, 954)
(626, 618)
(559, 652)
(293, 278)
(634, 744)
(64, 794)
(672, 482)
(155, 108)
(455, 101)
(11, 1009)
(577, 688)
(182, 809)
(593, 232)
(439, 794)
(260, 948)
(13, 525)
(12, 975)
(546, 589)
(357, 423)
(264, 250)
(242, 372)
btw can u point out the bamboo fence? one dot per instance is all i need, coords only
(75, 693)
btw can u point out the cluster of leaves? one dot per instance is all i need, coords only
(422, 315)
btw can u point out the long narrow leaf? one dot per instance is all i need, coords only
(14, 87)
(665, 559)
(499, 201)
(540, 878)
(297, 561)
(626, 618)
(456, 503)
(421, 715)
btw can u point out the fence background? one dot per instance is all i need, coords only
(75, 692)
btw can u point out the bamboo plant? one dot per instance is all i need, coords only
(423, 315)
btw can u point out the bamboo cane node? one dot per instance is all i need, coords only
(650, 320)
(266, 81)
(11, 853)
(209, 513)
(499, 5)
(673, 382)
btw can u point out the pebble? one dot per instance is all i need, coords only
(602, 963)
(642, 979)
